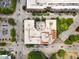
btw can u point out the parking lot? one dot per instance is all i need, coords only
(5, 3)
(4, 30)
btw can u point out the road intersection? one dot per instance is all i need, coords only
(19, 15)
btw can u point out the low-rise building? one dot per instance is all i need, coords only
(40, 32)
(5, 57)
(45, 5)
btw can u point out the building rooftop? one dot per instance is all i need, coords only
(44, 33)
(56, 4)
(5, 57)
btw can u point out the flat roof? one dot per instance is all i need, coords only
(41, 4)
(5, 57)
(34, 36)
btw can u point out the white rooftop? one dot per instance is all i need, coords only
(41, 4)
(44, 36)
(5, 57)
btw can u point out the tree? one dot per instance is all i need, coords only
(36, 55)
(11, 21)
(77, 57)
(63, 24)
(61, 53)
(13, 32)
(53, 56)
(29, 45)
(43, 19)
(77, 29)
(2, 43)
(24, 8)
(13, 35)
(4, 52)
(67, 41)
(13, 39)
(37, 19)
(72, 39)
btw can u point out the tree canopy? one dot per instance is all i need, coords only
(13, 32)
(12, 39)
(2, 43)
(53, 56)
(36, 55)
(11, 21)
(63, 24)
(72, 39)
(61, 53)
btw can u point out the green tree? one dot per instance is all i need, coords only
(2, 43)
(77, 29)
(29, 45)
(13, 32)
(13, 39)
(61, 53)
(72, 39)
(37, 19)
(36, 55)
(11, 21)
(67, 41)
(53, 56)
(24, 8)
(43, 19)
(4, 52)
(63, 24)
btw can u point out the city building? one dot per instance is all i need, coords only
(39, 32)
(5, 57)
(51, 5)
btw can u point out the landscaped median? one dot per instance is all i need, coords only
(9, 10)
(63, 24)
(13, 35)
